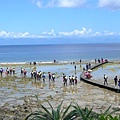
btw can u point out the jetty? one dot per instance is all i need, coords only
(92, 82)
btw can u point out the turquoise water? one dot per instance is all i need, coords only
(66, 52)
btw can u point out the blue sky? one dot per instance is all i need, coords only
(59, 19)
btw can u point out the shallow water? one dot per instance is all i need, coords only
(14, 88)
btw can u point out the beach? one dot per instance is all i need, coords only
(17, 93)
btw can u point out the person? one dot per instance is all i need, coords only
(10, 70)
(75, 80)
(70, 80)
(105, 79)
(119, 83)
(115, 80)
(65, 80)
(7, 71)
(32, 74)
(95, 60)
(53, 77)
(75, 67)
(43, 76)
(87, 66)
(22, 71)
(80, 61)
(50, 76)
(1, 71)
(35, 74)
(98, 60)
(25, 72)
(13, 70)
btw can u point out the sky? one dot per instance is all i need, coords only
(59, 19)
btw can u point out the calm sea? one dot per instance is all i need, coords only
(61, 52)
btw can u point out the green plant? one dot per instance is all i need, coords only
(84, 114)
(107, 115)
(45, 114)
(72, 112)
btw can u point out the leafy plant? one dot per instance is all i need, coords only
(84, 114)
(107, 115)
(57, 114)
(72, 112)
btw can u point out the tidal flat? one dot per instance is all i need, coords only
(17, 93)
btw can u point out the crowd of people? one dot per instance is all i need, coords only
(7, 71)
(72, 80)
(39, 75)
(115, 79)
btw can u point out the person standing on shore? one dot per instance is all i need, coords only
(65, 80)
(13, 70)
(10, 70)
(75, 67)
(119, 84)
(50, 76)
(7, 71)
(25, 72)
(1, 71)
(105, 79)
(53, 77)
(95, 61)
(75, 80)
(115, 80)
(70, 80)
(80, 61)
(43, 76)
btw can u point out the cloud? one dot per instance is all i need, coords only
(97, 34)
(51, 34)
(111, 4)
(4, 34)
(59, 3)
(66, 3)
(82, 32)
(107, 33)
(38, 3)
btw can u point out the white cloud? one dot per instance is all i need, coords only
(4, 34)
(111, 4)
(82, 32)
(97, 34)
(38, 3)
(58, 3)
(107, 33)
(51, 34)
(66, 3)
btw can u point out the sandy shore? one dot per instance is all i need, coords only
(17, 94)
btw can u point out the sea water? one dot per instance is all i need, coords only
(59, 52)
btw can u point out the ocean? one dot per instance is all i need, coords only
(59, 52)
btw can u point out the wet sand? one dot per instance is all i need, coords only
(17, 94)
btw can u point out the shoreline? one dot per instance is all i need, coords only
(49, 62)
